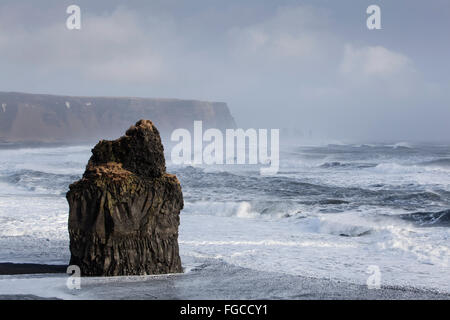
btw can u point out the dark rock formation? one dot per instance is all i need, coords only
(63, 119)
(124, 212)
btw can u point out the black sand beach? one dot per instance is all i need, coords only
(208, 280)
(30, 268)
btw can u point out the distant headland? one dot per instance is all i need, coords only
(44, 118)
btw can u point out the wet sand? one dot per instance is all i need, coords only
(210, 279)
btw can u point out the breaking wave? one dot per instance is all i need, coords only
(429, 219)
(40, 182)
(439, 163)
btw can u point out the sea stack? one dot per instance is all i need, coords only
(124, 212)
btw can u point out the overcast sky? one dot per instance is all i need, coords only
(311, 65)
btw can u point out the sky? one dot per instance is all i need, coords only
(311, 66)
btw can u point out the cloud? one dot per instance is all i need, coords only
(379, 71)
(296, 33)
(112, 47)
(374, 61)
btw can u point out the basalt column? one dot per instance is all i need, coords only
(124, 212)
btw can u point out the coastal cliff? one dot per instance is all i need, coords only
(124, 212)
(64, 119)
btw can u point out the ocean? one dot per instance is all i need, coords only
(332, 212)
